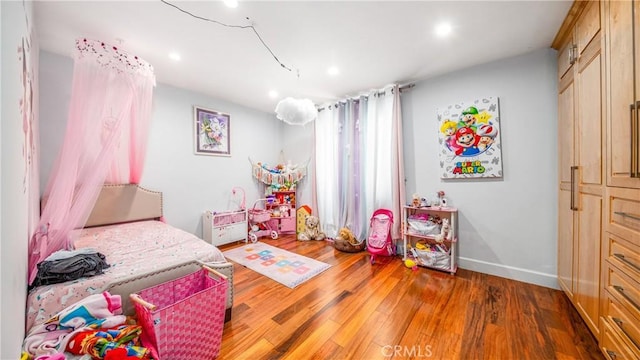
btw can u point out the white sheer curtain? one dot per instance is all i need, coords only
(359, 161)
(327, 136)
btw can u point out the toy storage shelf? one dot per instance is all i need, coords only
(440, 256)
(285, 223)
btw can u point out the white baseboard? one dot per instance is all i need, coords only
(510, 272)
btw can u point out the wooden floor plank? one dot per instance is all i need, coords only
(355, 310)
(355, 347)
(313, 342)
(360, 312)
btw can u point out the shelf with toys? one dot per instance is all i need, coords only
(429, 235)
(280, 184)
(282, 205)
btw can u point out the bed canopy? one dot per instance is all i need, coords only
(104, 142)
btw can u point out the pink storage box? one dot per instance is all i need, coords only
(183, 318)
(259, 215)
(226, 218)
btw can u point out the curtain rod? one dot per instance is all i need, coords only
(406, 87)
(402, 88)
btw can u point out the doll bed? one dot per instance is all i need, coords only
(223, 227)
(220, 228)
(141, 252)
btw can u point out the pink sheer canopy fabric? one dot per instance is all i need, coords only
(105, 141)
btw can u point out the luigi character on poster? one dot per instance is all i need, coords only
(469, 138)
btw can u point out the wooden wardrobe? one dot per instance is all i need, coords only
(599, 170)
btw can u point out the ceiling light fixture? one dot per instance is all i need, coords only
(443, 29)
(273, 94)
(296, 111)
(174, 56)
(231, 3)
(333, 71)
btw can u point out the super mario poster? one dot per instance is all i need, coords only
(469, 139)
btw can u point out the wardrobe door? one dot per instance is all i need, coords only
(622, 144)
(567, 186)
(589, 122)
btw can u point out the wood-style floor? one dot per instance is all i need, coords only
(356, 310)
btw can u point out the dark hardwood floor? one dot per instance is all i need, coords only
(356, 310)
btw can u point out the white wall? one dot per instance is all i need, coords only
(55, 92)
(19, 175)
(1, 237)
(297, 146)
(190, 183)
(507, 226)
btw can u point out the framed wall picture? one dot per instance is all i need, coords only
(469, 139)
(212, 132)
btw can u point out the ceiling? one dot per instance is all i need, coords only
(372, 43)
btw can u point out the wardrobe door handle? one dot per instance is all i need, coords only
(573, 188)
(624, 260)
(634, 140)
(571, 196)
(612, 354)
(632, 125)
(620, 291)
(636, 148)
(573, 54)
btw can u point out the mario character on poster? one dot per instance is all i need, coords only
(469, 139)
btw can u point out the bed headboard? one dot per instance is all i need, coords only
(125, 203)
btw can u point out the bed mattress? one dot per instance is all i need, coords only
(132, 250)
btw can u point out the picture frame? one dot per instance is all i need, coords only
(469, 139)
(212, 132)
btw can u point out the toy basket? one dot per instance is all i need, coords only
(344, 245)
(259, 215)
(422, 226)
(436, 259)
(183, 318)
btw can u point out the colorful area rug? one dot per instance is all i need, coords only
(280, 265)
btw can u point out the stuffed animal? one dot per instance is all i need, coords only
(284, 211)
(346, 235)
(346, 241)
(312, 229)
(415, 200)
(445, 232)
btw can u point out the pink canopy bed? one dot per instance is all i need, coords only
(105, 143)
(141, 251)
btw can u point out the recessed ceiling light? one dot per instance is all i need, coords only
(273, 94)
(231, 3)
(443, 29)
(174, 56)
(333, 71)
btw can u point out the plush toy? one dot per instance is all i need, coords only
(346, 235)
(284, 211)
(415, 200)
(445, 232)
(411, 264)
(312, 231)
(346, 241)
